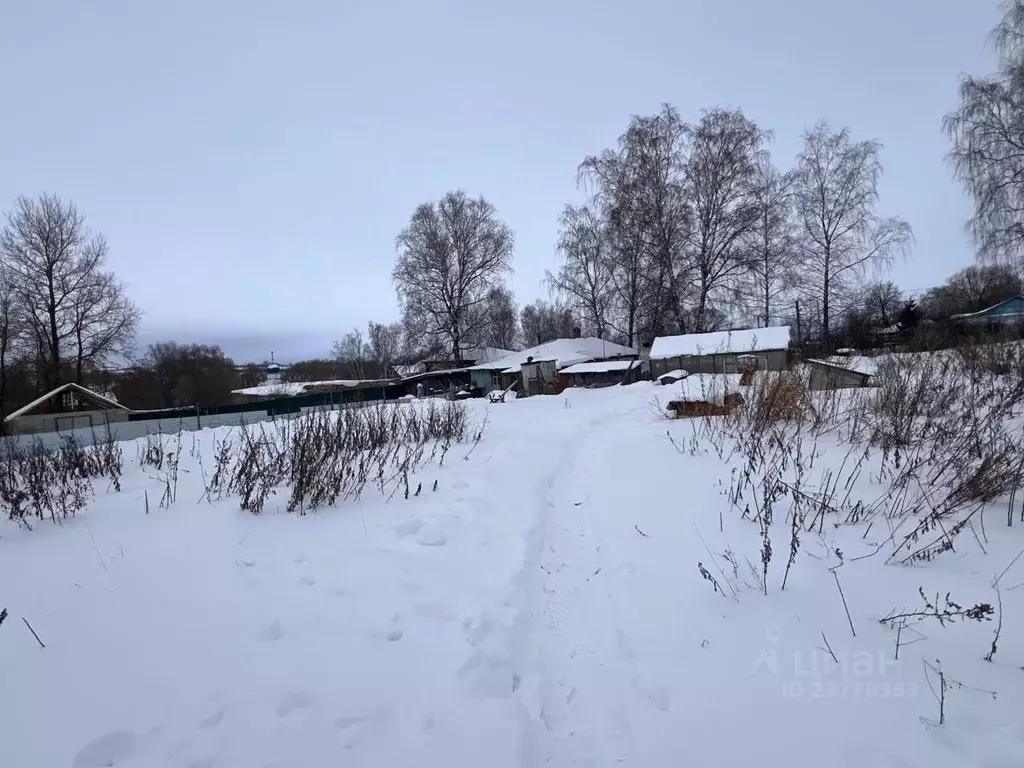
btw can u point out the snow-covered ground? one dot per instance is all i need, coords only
(541, 605)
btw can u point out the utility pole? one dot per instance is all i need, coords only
(798, 322)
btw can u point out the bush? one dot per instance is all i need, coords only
(325, 457)
(36, 483)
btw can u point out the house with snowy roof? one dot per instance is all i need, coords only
(540, 364)
(763, 349)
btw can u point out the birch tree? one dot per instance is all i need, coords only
(836, 191)
(721, 174)
(987, 135)
(773, 255)
(449, 257)
(585, 274)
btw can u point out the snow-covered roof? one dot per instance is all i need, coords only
(720, 342)
(566, 351)
(485, 354)
(101, 402)
(675, 375)
(843, 364)
(292, 388)
(607, 366)
(1011, 308)
(708, 387)
(472, 354)
(857, 363)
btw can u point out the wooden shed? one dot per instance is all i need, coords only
(538, 376)
(70, 406)
(763, 349)
(607, 373)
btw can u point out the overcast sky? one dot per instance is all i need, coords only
(250, 162)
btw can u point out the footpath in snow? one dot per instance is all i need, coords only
(537, 602)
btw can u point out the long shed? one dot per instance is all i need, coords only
(764, 349)
(606, 373)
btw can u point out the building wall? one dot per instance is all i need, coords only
(35, 423)
(602, 379)
(134, 430)
(539, 377)
(772, 360)
(482, 380)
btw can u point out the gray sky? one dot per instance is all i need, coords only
(251, 162)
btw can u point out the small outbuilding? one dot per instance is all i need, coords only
(538, 376)
(761, 349)
(606, 373)
(829, 375)
(70, 406)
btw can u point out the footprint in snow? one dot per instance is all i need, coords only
(212, 721)
(490, 677)
(112, 749)
(272, 633)
(307, 581)
(477, 629)
(344, 723)
(436, 610)
(292, 702)
(459, 484)
(205, 762)
(409, 527)
(432, 537)
(177, 748)
(300, 559)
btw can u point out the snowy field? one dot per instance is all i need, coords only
(537, 602)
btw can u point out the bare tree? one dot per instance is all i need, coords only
(175, 375)
(351, 348)
(543, 321)
(773, 255)
(500, 327)
(585, 276)
(639, 199)
(72, 305)
(721, 175)
(103, 323)
(12, 330)
(384, 343)
(987, 134)
(449, 257)
(971, 289)
(882, 303)
(611, 177)
(836, 191)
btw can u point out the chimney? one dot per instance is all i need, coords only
(576, 332)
